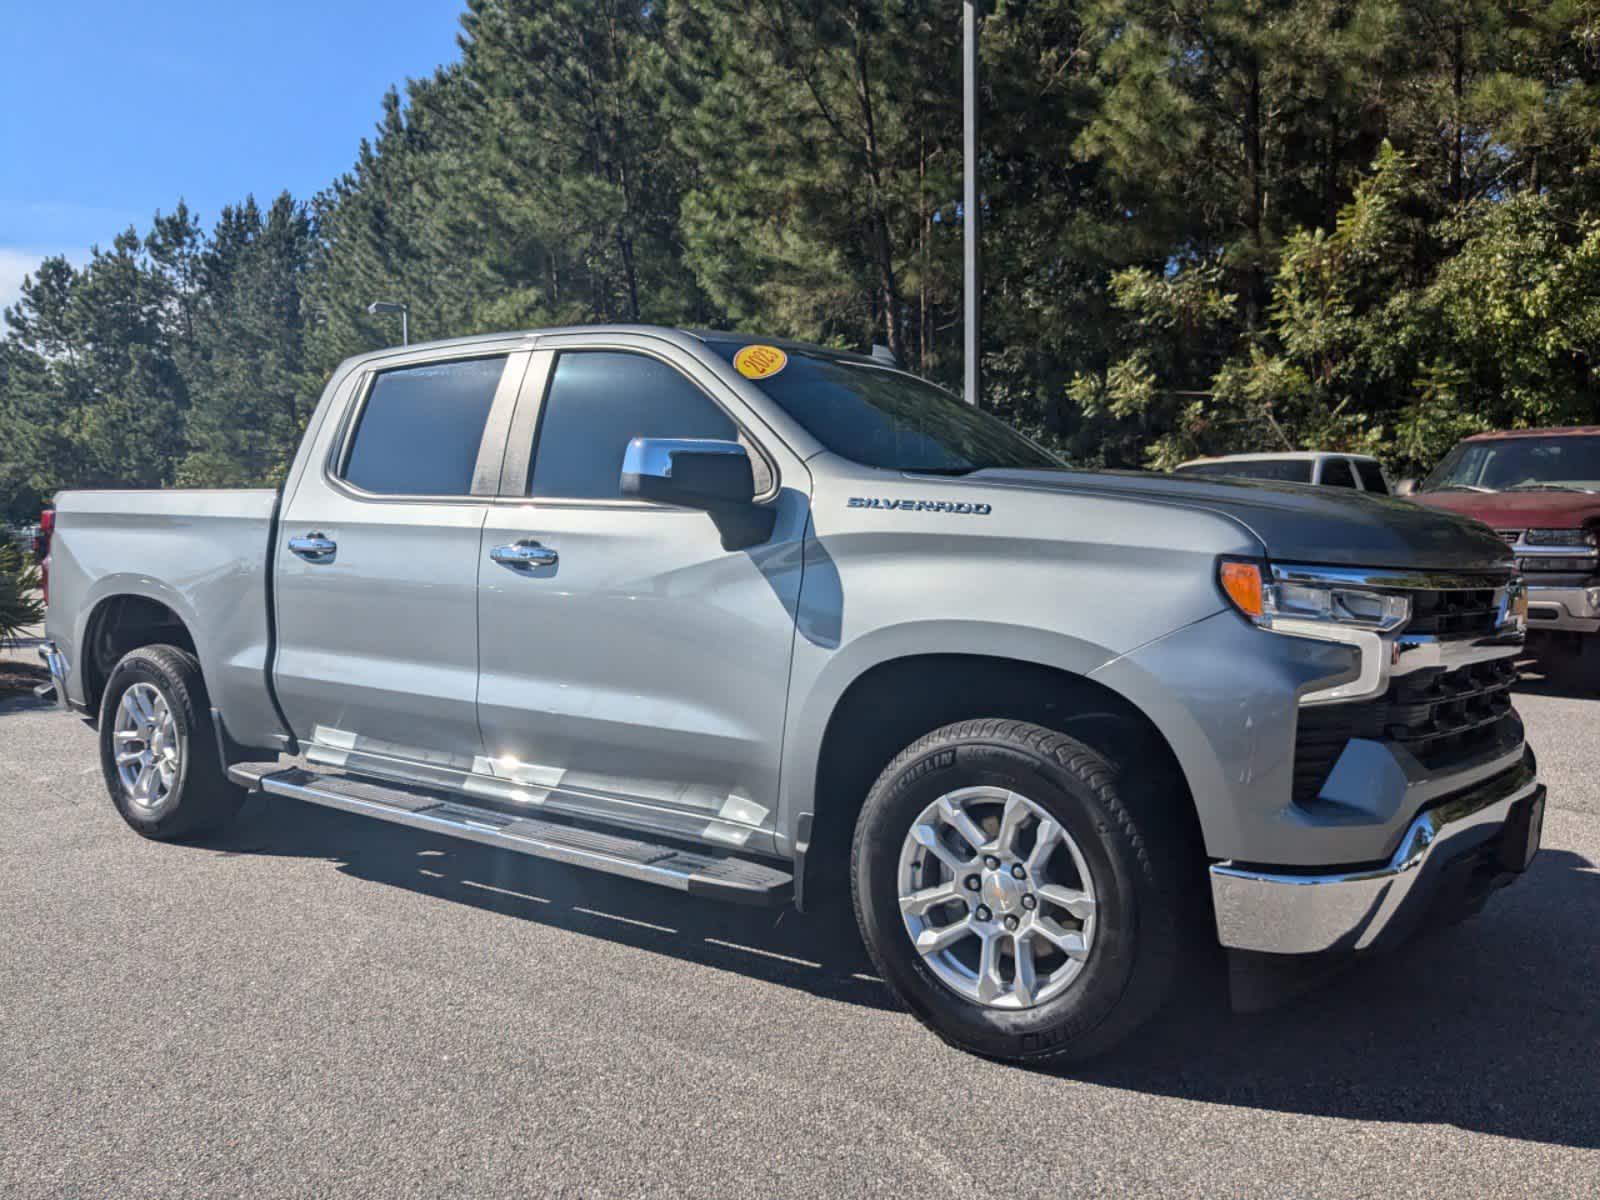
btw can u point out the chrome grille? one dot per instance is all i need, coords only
(1510, 536)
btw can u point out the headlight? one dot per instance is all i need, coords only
(1269, 603)
(1559, 537)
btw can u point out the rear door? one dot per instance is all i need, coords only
(377, 563)
(642, 675)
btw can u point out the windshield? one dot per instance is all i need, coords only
(1522, 464)
(883, 417)
(1286, 470)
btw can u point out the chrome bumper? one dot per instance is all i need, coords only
(57, 664)
(1295, 912)
(1566, 608)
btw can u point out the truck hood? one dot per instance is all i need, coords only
(1297, 523)
(1518, 510)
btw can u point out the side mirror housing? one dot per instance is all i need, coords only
(690, 473)
(1405, 487)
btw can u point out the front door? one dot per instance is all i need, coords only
(641, 674)
(376, 567)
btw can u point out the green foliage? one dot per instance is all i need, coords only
(20, 605)
(1210, 225)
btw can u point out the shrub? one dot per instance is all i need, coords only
(20, 605)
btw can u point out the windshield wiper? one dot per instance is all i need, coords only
(940, 470)
(1460, 487)
(1550, 487)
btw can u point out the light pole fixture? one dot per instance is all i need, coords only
(970, 226)
(389, 306)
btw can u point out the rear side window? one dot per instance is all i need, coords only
(599, 401)
(1336, 472)
(1372, 477)
(419, 430)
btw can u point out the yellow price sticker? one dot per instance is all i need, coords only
(760, 362)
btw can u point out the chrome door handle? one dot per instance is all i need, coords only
(313, 547)
(527, 553)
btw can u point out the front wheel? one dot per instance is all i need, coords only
(1018, 902)
(157, 748)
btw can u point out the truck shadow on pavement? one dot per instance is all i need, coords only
(1490, 1026)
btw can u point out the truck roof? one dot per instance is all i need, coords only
(1280, 456)
(1548, 431)
(699, 335)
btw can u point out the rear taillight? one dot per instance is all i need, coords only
(47, 525)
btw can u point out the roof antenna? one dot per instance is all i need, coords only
(882, 353)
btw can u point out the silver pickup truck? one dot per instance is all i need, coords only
(774, 624)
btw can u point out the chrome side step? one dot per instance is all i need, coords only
(701, 873)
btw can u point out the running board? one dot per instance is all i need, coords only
(719, 877)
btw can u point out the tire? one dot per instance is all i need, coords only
(194, 794)
(1140, 867)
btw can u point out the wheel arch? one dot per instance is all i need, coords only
(894, 701)
(122, 620)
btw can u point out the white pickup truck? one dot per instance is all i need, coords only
(770, 623)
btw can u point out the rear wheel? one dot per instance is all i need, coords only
(158, 750)
(1021, 905)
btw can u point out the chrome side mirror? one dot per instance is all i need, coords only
(688, 472)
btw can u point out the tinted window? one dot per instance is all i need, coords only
(1336, 472)
(598, 402)
(881, 417)
(1371, 477)
(1285, 470)
(419, 430)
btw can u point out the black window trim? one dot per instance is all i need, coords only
(527, 424)
(491, 444)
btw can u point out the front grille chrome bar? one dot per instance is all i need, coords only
(1383, 656)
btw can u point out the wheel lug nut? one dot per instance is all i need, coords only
(992, 863)
(983, 913)
(973, 883)
(1017, 872)
(1029, 903)
(1011, 922)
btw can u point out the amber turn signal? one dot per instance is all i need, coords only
(1242, 582)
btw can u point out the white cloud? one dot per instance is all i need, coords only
(16, 264)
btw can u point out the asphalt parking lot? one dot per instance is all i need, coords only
(312, 1004)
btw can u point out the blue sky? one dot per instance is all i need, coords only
(111, 110)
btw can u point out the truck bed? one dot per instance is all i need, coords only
(203, 554)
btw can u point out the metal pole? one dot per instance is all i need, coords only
(970, 229)
(405, 326)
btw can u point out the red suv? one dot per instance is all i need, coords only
(1539, 489)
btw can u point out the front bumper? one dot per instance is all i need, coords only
(1563, 607)
(1471, 842)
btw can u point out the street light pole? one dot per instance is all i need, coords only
(389, 306)
(970, 229)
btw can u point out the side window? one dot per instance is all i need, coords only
(1371, 477)
(600, 400)
(1336, 472)
(419, 430)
